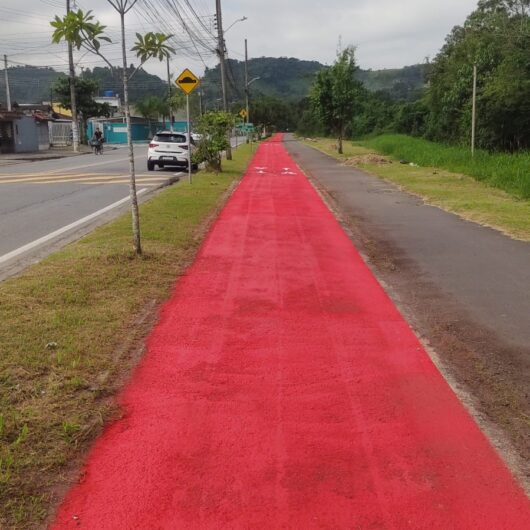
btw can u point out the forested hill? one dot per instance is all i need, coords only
(30, 84)
(290, 79)
(286, 78)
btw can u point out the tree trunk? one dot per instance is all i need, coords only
(340, 143)
(132, 180)
(73, 102)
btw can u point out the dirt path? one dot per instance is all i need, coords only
(282, 389)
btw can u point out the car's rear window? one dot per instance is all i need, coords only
(173, 138)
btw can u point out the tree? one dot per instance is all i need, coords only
(151, 107)
(81, 30)
(496, 38)
(335, 94)
(85, 90)
(213, 127)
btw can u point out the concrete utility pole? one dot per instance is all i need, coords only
(222, 58)
(169, 96)
(246, 82)
(73, 104)
(474, 112)
(8, 93)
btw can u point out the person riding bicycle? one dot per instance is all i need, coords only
(97, 141)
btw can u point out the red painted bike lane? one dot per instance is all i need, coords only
(281, 389)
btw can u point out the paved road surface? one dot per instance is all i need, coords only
(282, 389)
(487, 271)
(465, 287)
(40, 201)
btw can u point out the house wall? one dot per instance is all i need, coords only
(26, 135)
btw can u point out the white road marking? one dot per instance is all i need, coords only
(64, 229)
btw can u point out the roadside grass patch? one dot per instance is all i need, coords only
(71, 328)
(467, 196)
(508, 172)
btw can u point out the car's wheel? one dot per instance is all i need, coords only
(150, 165)
(195, 167)
(161, 166)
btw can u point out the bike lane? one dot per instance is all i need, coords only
(281, 388)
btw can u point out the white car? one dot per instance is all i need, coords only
(169, 149)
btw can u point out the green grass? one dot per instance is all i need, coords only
(69, 330)
(473, 199)
(508, 172)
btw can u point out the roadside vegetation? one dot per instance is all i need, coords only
(71, 329)
(429, 177)
(506, 171)
(429, 129)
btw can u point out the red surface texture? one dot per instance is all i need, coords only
(282, 389)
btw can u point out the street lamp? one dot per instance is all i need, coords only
(235, 22)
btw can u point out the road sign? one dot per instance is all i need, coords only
(187, 81)
(243, 113)
(246, 127)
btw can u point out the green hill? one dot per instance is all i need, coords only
(285, 78)
(290, 79)
(31, 84)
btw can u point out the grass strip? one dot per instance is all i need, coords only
(459, 193)
(506, 171)
(69, 327)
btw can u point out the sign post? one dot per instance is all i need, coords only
(187, 81)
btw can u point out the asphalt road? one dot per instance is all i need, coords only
(46, 204)
(465, 289)
(488, 272)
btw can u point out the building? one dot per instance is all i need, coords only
(20, 133)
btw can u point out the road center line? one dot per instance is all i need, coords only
(64, 229)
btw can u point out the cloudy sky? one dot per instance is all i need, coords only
(387, 33)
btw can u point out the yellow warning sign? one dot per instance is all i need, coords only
(187, 81)
(243, 113)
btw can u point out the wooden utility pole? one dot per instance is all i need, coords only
(474, 111)
(222, 58)
(73, 103)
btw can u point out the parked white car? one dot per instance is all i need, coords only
(169, 149)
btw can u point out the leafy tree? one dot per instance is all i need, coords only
(495, 37)
(336, 93)
(151, 108)
(85, 91)
(213, 127)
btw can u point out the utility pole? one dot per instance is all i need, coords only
(246, 82)
(474, 112)
(169, 96)
(8, 93)
(73, 104)
(222, 57)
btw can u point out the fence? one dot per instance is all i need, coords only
(60, 133)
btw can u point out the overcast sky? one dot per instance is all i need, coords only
(387, 33)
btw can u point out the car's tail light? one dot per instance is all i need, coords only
(184, 147)
(153, 145)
